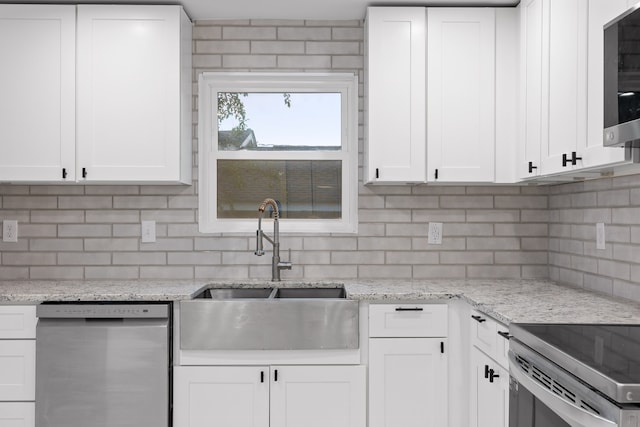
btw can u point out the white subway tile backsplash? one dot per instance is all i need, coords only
(93, 231)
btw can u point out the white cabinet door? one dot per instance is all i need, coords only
(407, 382)
(230, 396)
(591, 149)
(534, 78)
(567, 59)
(395, 95)
(129, 93)
(37, 83)
(17, 414)
(489, 392)
(17, 370)
(461, 94)
(318, 396)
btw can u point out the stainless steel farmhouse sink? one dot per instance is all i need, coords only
(287, 318)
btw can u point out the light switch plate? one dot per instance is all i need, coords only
(10, 231)
(435, 233)
(148, 231)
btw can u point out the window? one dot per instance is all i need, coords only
(290, 137)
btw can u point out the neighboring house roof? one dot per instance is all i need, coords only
(233, 140)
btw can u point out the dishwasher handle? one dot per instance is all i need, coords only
(103, 311)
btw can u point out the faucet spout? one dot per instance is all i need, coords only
(276, 263)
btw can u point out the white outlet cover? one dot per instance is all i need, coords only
(435, 233)
(10, 231)
(148, 231)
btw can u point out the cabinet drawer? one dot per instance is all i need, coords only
(485, 335)
(19, 414)
(17, 370)
(408, 320)
(17, 321)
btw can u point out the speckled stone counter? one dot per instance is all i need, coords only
(528, 300)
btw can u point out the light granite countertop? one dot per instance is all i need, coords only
(526, 300)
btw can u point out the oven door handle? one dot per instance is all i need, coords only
(572, 414)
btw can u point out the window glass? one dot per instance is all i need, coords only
(305, 188)
(279, 121)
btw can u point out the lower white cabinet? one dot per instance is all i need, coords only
(276, 396)
(407, 382)
(489, 392)
(17, 414)
(17, 370)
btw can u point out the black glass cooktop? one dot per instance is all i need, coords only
(590, 352)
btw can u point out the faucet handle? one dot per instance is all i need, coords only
(259, 247)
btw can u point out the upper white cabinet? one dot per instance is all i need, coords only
(395, 95)
(562, 86)
(461, 99)
(439, 95)
(37, 83)
(116, 109)
(134, 80)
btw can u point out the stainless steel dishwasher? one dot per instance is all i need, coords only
(103, 365)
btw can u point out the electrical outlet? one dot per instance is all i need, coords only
(600, 238)
(435, 233)
(148, 231)
(9, 231)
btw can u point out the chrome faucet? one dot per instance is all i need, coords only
(276, 264)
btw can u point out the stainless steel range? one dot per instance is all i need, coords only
(574, 375)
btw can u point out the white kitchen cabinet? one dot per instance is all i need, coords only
(230, 396)
(104, 96)
(395, 95)
(407, 382)
(17, 364)
(562, 86)
(554, 76)
(461, 121)
(489, 398)
(134, 94)
(276, 396)
(318, 396)
(37, 83)
(17, 414)
(489, 391)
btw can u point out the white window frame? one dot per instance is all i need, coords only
(211, 83)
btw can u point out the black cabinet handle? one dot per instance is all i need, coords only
(84, 172)
(573, 160)
(377, 173)
(442, 347)
(479, 319)
(275, 375)
(486, 371)
(436, 174)
(505, 335)
(409, 309)
(64, 173)
(261, 376)
(492, 375)
(531, 167)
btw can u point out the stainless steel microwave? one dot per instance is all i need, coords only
(622, 80)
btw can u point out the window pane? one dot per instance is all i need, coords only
(305, 188)
(279, 121)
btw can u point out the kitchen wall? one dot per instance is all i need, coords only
(574, 210)
(93, 232)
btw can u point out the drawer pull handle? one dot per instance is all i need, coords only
(479, 319)
(409, 309)
(261, 376)
(486, 371)
(505, 335)
(492, 375)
